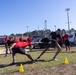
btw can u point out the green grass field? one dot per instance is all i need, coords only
(44, 62)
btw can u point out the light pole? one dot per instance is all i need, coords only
(67, 9)
(38, 29)
(27, 30)
(45, 24)
(55, 27)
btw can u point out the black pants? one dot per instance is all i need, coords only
(67, 43)
(18, 50)
(45, 45)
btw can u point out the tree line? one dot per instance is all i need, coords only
(43, 33)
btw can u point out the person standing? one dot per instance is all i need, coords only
(30, 39)
(6, 45)
(15, 40)
(66, 40)
(21, 39)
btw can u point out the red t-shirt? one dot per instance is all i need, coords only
(60, 39)
(6, 39)
(66, 37)
(22, 44)
(16, 41)
(21, 39)
(29, 39)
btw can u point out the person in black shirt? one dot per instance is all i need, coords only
(9, 43)
(45, 42)
(55, 36)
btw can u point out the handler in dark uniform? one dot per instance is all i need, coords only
(55, 36)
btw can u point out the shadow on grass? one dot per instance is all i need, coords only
(50, 60)
(2, 65)
(23, 63)
(5, 65)
(18, 63)
(28, 62)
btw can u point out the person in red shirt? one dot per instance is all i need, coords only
(66, 40)
(29, 39)
(21, 39)
(15, 40)
(19, 47)
(60, 41)
(6, 45)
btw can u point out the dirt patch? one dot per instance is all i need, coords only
(62, 69)
(58, 70)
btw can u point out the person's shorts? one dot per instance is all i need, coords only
(19, 50)
(45, 45)
(53, 44)
(67, 43)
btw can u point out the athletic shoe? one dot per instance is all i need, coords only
(37, 59)
(13, 62)
(54, 59)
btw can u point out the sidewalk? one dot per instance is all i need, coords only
(3, 51)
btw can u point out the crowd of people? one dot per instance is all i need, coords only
(18, 46)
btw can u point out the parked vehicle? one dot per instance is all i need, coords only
(37, 39)
(71, 39)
